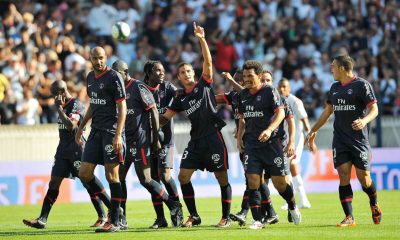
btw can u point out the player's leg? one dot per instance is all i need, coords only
(165, 164)
(189, 196)
(143, 172)
(345, 191)
(158, 206)
(267, 209)
(362, 165)
(241, 216)
(296, 177)
(226, 197)
(49, 200)
(123, 171)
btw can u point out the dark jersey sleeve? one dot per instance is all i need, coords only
(228, 97)
(118, 88)
(276, 99)
(240, 103)
(288, 109)
(329, 95)
(77, 112)
(176, 104)
(147, 97)
(367, 94)
(206, 80)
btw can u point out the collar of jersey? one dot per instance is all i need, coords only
(153, 88)
(101, 74)
(354, 78)
(191, 90)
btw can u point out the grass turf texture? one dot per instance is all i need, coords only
(71, 221)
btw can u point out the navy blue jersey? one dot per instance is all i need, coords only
(163, 95)
(137, 125)
(288, 114)
(200, 107)
(105, 91)
(258, 110)
(67, 147)
(232, 98)
(350, 102)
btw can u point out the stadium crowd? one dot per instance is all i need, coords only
(43, 41)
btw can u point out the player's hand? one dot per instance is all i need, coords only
(358, 124)
(117, 143)
(227, 76)
(265, 135)
(310, 141)
(240, 145)
(198, 31)
(156, 147)
(290, 150)
(78, 137)
(59, 100)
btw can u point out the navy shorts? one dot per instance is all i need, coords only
(139, 156)
(66, 168)
(270, 159)
(206, 153)
(99, 148)
(358, 155)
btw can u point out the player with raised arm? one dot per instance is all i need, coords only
(141, 130)
(162, 163)
(68, 157)
(353, 102)
(105, 144)
(259, 136)
(206, 148)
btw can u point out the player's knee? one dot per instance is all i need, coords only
(183, 178)
(165, 177)
(54, 184)
(84, 177)
(222, 178)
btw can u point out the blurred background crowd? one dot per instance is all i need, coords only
(41, 41)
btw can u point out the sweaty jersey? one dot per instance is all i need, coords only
(299, 113)
(138, 102)
(67, 147)
(105, 91)
(200, 107)
(350, 102)
(232, 98)
(258, 110)
(163, 95)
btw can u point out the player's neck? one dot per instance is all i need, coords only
(347, 78)
(256, 88)
(189, 86)
(97, 73)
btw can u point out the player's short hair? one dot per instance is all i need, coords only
(344, 61)
(283, 80)
(239, 71)
(120, 66)
(148, 68)
(181, 64)
(56, 86)
(252, 64)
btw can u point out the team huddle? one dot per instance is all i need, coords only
(132, 123)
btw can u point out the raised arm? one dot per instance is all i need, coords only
(69, 123)
(236, 86)
(166, 117)
(205, 51)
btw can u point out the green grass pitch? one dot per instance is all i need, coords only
(71, 221)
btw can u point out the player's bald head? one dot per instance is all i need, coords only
(57, 86)
(96, 51)
(120, 66)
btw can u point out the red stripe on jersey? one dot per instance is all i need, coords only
(150, 106)
(101, 74)
(226, 201)
(65, 104)
(372, 102)
(157, 203)
(143, 156)
(209, 80)
(153, 88)
(266, 201)
(347, 200)
(120, 158)
(161, 193)
(120, 100)
(101, 191)
(129, 83)
(255, 206)
(117, 199)
(354, 78)
(225, 99)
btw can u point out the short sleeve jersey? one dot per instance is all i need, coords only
(105, 91)
(299, 113)
(200, 107)
(163, 95)
(139, 100)
(350, 102)
(232, 98)
(288, 114)
(258, 110)
(67, 147)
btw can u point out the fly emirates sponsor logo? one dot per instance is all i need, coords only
(342, 106)
(97, 101)
(193, 106)
(250, 113)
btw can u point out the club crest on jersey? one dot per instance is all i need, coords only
(258, 98)
(133, 151)
(128, 95)
(77, 164)
(215, 158)
(109, 148)
(349, 91)
(278, 161)
(162, 94)
(101, 86)
(195, 90)
(364, 155)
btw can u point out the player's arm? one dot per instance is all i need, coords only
(310, 139)
(372, 113)
(86, 118)
(236, 86)
(117, 142)
(291, 131)
(240, 133)
(306, 125)
(276, 120)
(155, 126)
(166, 117)
(205, 51)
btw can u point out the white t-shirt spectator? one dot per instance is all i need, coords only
(101, 18)
(29, 117)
